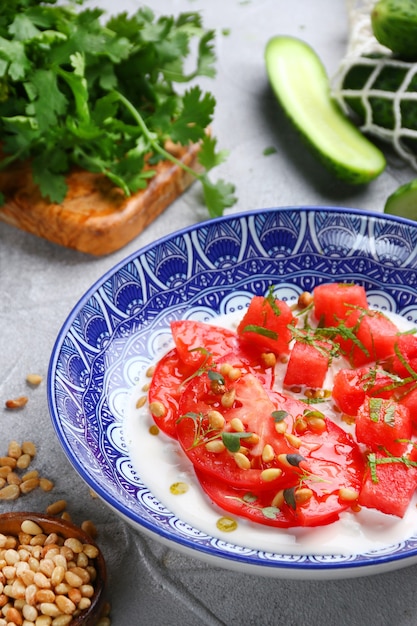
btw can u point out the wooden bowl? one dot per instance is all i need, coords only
(10, 524)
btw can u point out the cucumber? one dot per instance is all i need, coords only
(394, 24)
(302, 88)
(403, 201)
(389, 78)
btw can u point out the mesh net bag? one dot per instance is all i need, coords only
(379, 89)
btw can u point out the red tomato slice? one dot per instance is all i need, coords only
(336, 470)
(198, 343)
(165, 391)
(178, 365)
(253, 408)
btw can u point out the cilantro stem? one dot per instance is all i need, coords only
(152, 138)
(218, 196)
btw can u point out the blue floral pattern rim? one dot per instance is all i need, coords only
(209, 269)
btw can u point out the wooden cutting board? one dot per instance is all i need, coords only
(95, 217)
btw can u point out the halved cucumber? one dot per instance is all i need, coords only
(302, 87)
(403, 201)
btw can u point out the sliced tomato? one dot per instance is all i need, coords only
(257, 507)
(165, 390)
(199, 343)
(253, 409)
(330, 486)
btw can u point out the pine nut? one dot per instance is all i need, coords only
(281, 427)
(272, 473)
(34, 379)
(141, 402)
(269, 359)
(293, 440)
(241, 460)
(28, 447)
(29, 485)
(236, 424)
(348, 494)
(234, 373)
(13, 479)
(225, 368)
(268, 453)
(216, 446)
(7, 461)
(29, 613)
(45, 484)
(278, 499)
(30, 527)
(14, 450)
(10, 492)
(304, 300)
(74, 544)
(90, 528)
(65, 605)
(13, 616)
(56, 507)
(17, 403)
(228, 398)
(216, 419)
(31, 474)
(303, 495)
(23, 461)
(157, 409)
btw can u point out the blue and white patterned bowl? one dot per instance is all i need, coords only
(203, 271)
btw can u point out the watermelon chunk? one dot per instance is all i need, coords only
(382, 423)
(335, 301)
(392, 488)
(265, 325)
(307, 365)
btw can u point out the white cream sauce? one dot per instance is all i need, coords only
(160, 462)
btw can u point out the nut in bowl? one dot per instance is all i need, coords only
(49, 567)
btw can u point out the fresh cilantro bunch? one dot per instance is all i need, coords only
(76, 90)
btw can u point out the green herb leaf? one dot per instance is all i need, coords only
(279, 416)
(260, 330)
(104, 93)
(232, 441)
